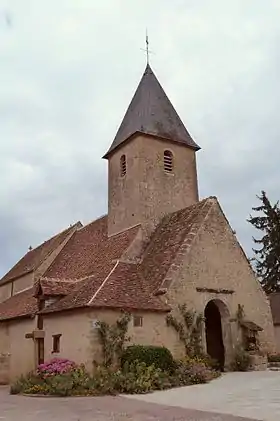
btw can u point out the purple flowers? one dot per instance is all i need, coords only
(56, 366)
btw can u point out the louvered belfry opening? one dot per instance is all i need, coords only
(168, 161)
(123, 165)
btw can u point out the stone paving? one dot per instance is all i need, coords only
(254, 395)
(21, 408)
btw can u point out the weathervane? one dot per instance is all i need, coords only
(147, 50)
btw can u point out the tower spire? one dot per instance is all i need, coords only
(151, 112)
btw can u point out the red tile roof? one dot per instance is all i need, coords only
(91, 251)
(126, 288)
(52, 287)
(174, 229)
(35, 257)
(89, 271)
(125, 285)
(19, 305)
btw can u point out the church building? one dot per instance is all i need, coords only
(158, 247)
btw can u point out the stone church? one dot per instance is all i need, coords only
(159, 246)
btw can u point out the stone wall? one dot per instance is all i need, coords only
(79, 337)
(17, 352)
(147, 192)
(216, 268)
(6, 291)
(4, 368)
(16, 285)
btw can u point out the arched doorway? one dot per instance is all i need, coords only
(214, 333)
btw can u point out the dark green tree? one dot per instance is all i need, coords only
(266, 258)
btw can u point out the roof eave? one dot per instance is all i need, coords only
(49, 311)
(133, 135)
(21, 316)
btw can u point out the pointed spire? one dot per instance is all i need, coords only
(150, 112)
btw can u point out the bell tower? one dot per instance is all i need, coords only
(152, 162)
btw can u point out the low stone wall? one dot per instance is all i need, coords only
(258, 362)
(4, 368)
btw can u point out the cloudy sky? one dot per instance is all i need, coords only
(68, 70)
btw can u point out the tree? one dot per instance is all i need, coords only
(267, 257)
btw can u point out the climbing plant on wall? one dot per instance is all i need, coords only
(189, 328)
(112, 338)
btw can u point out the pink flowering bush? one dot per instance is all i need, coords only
(59, 377)
(56, 366)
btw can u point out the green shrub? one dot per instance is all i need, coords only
(202, 359)
(23, 383)
(194, 371)
(241, 360)
(65, 384)
(137, 377)
(132, 377)
(158, 356)
(273, 358)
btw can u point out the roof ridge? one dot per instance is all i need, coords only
(69, 281)
(103, 283)
(54, 236)
(31, 260)
(72, 227)
(125, 230)
(60, 251)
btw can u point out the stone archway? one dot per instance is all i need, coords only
(217, 331)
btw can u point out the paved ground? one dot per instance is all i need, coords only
(254, 395)
(21, 408)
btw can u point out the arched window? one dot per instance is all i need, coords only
(168, 161)
(123, 165)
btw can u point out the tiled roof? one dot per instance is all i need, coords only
(126, 288)
(19, 305)
(121, 285)
(91, 251)
(77, 298)
(174, 229)
(35, 257)
(89, 270)
(52, 287)
(152, 113)
(122, 288)
(274, 299)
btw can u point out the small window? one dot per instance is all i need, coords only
(168, 161)
(137, 321)
(123, 165)
(56, 343)
(49, 301)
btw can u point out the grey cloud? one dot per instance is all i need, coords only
(68, 72)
